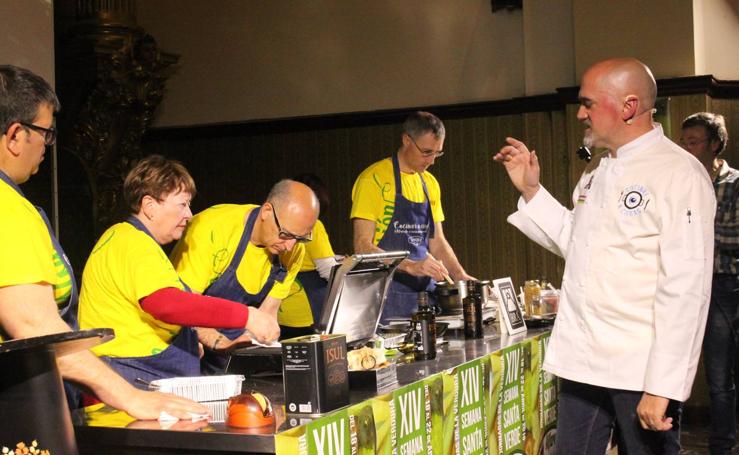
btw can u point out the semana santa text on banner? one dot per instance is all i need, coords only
(501, 403)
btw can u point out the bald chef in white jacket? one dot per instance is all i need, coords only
(638, 246)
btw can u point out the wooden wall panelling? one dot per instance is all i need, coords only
(469, 196)
(508, 255)
(480, 247)
(340, 150)
(474, 220)
(730, 110)
(562, 185)
(539, 135)
(451, 172)
(680, 107)
(574, 134)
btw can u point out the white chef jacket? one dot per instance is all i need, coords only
(638, 249)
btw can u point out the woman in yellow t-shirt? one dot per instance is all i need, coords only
(130, 285)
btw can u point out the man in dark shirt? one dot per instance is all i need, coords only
(704, 135)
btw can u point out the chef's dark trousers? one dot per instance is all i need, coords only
(587, 414)
(719, 355)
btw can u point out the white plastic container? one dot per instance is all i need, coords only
(201, 388)
(218, 410)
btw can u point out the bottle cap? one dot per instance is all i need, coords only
(423, 299)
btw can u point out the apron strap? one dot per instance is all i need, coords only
(227, 285)
(69, 311)
(399, 192)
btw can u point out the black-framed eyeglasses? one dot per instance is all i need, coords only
(48, 133)
(427, 153)
(286, 235)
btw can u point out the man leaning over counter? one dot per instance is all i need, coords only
(396, 205)
(248, 253)
(36, 279)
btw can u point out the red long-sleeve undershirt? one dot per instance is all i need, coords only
(174, 306)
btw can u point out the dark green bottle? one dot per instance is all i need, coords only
(424, 330)
(472, 310)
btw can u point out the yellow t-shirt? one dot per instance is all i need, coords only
(295, 309)
(209, 245)
(373, 195)
(28, 254)
(125, 266)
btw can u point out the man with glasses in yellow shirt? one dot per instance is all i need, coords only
(248, 253)
(396, 205)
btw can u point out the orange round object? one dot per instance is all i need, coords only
(250, 410)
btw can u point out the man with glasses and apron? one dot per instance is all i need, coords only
(248, 253)
(396, 205)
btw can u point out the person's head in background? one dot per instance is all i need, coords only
(158, 192)
(423, 141)
(27, 107)
(320, 189)
(704, 135)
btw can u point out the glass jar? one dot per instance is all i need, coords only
(549, 301)
(531, 291)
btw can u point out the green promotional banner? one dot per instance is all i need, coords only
(435, 389)
(548, 393)
(492, 401)
(471, 420)
(383, 423)
(292, 441)
(362, 429)
(448, 378)
(502, 403)
(511, 423)
(531, 378)
(329, 435)
(411, 411)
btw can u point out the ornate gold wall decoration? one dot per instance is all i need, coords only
(111, 81)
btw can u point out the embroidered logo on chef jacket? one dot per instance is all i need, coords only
(633, 200)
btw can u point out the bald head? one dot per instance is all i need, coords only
(624, 77)
(616, 102)
(287, 217)
(292, 196)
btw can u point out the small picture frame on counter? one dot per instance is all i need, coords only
(511, 315)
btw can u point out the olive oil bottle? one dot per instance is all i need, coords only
(424, 330)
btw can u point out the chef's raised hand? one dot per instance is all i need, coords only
(262, 325)
(522, 166)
